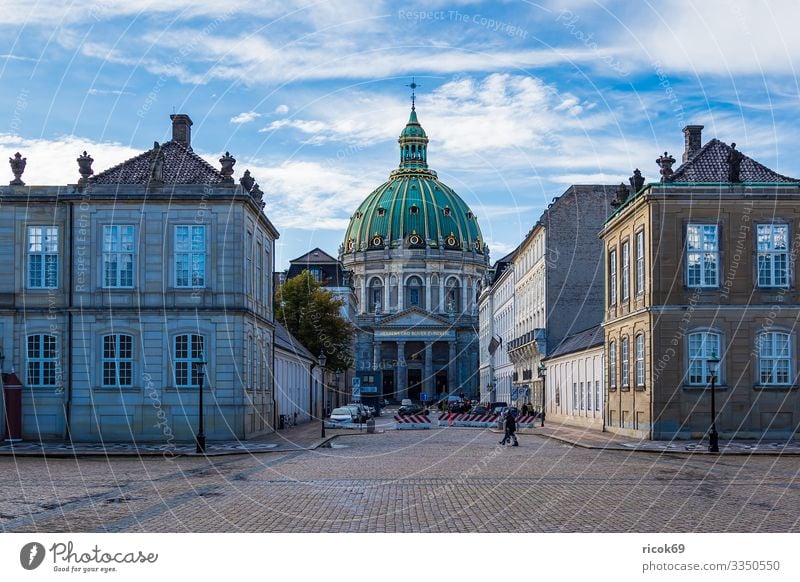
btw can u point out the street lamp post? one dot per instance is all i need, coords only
(322, 359)
(713, 437)
(200, 439)
(543, 375)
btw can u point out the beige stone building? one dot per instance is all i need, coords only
(702, 264)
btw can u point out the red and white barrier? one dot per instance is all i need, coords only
(412, 421)
(482, 420)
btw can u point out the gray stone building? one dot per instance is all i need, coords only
(558, 281)
(417, 257)
(118, 286)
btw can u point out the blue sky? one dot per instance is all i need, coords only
(519, 99)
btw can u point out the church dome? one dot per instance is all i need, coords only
(413, 209)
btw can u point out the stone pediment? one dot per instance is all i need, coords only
(413, 317)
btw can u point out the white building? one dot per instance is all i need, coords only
(575, 385)
(298, 379)
(496, 319)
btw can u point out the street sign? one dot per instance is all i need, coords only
(423, 397)
(356, 389)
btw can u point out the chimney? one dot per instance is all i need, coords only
(693, 141)
(182, 129)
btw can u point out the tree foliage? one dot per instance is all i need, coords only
(312, 315)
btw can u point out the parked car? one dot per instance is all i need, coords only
(406, 402)
(479, 409)
(341, 416)
(497, 407)
(362, 413)
(412, 409)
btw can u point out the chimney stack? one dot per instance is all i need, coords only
(182, 129)
(693, 141)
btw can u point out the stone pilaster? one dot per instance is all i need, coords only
(402, 377)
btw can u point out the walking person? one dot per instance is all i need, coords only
(511, 429)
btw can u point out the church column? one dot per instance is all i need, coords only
(441, 294)
(376, 355)
(464, 295)
(451, 367)
(401, 295)
(428, 304)
(401, 379)
(362, 308)
(386, 288)
(429, 384)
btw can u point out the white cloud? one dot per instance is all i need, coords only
(245, 117)
(54, 161)
(282, 109)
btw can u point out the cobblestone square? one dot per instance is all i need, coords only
(449, 480)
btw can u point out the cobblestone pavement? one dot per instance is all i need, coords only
(423, 481)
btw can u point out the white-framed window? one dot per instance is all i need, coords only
(41, 359)
(259, 271)
(190, 256)
(640, 359)
(117, 360)
(702, 255)
(583, 395)
(316, 274)
(575, 396)
(189, 349)
(248, 263)
(773, 255)
(626, 270)
(640, 262)
(612, 365)
(375, 295)
(702, 345)
(626, 351)
(612, 279)
(452, 296)
(774, 358)
(597, 394)
(43, 257)
(118, 255)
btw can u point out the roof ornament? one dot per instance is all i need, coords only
(227, 161)
(85, 168)
(734, 161)
(157, 165)
(620, 195)
(247, 181)
(17, 168)
(636, 181)
(413, 84)
(665, 163)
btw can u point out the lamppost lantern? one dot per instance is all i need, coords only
(713, 437)
(323, 359)
(542, 370)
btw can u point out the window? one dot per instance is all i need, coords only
(189, 349)
(702, 255)
(190, 256)
(259, 271)
(118, 250)
(582, 396)
(773, 255)
(597, 394)
(316, 273)
(612, 279)
(625, 380)
(248, 263)
(626, 270)
(588, 395)
(640, 262)
(414, 292)
(117, 360)
(774, 363)
(701, 346)
(42, 359)
(575, 396)
(640, 360)
(452, 300)
(375, 295)
(42, 257)
(612, 365)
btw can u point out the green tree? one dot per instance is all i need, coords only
(311, 314)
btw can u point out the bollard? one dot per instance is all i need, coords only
(371, 425)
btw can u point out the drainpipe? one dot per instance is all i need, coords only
(68, 343)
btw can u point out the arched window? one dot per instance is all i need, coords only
(117, 360)
(452, 296)
(375, 295)
(774, 358)
(702, 345)
(415, 292)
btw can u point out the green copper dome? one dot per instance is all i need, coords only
(413, 209)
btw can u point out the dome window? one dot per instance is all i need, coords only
(377, 240)
(358, 214)
(381, 211)
(414, 209)
(446, 211)
(351, 245)
(451, 241)
(469, 215)
(414, 240)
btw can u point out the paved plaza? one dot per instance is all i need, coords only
(448, 480)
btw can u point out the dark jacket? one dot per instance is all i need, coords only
(511, 423)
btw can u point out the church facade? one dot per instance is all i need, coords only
(417, 259)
